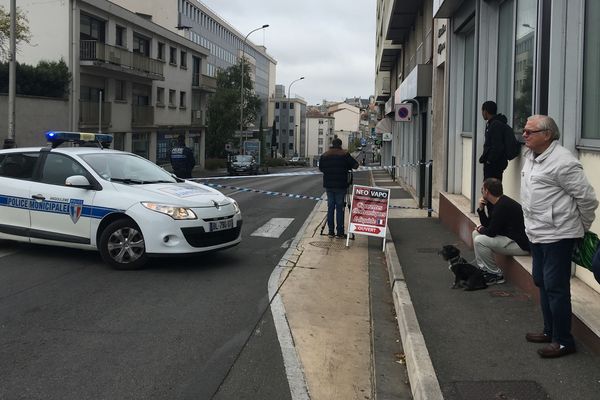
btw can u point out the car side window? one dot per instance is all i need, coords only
(18, 165)
(58, 167)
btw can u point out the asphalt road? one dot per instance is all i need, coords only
(183, 328)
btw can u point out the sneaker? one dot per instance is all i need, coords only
(331, 235)
(341, 236)
(493, 279)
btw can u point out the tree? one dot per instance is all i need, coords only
(224, 108)
(22, 31)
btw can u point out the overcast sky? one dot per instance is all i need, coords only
(329, 42)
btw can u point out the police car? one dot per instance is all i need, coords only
(121, 204)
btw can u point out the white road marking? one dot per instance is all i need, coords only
(274, 228)
(7, 250)
(286, 244)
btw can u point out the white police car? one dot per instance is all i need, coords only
(117, 202)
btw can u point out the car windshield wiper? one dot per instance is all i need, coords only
(127, 181)
(158, 181)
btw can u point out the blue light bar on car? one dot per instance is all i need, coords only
(58, 137)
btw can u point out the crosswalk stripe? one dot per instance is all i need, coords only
(273, 228)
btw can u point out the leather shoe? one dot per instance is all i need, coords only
(538, 338)
(554, 350)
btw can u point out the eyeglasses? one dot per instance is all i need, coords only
(529, 132)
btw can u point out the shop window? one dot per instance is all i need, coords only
(469, 75)
(505, 40)
(590, 124)
(524, 55)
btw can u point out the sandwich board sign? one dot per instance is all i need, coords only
(369, 211)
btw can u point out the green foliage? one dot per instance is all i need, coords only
(47, 79)
(215, 163)
(22, 31)
(224, 109)
(353, 145)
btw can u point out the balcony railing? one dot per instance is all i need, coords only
(142, 115)
(206, 84)
(89, 113)
(92, 50)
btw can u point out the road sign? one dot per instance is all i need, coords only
(403, 112)
(369, 210)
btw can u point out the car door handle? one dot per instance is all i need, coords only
(38, 197)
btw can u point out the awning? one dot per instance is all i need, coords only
(384, 126)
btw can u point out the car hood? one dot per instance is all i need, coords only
(187, 194)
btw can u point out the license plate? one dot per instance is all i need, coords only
(221, 225)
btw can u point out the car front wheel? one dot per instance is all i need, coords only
(122, 245)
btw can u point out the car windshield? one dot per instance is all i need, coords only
(127, 168)
(243, 158)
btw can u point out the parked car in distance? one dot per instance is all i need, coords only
(242, 164)
(297, 161)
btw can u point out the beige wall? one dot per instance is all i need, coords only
(467, 153)
(34, 116)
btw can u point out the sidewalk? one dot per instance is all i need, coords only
(474, 340)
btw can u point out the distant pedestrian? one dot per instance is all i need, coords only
(559, 206)
(335, 164)
(502, 230)
(364, 159)
(493, 157)
(182, 159)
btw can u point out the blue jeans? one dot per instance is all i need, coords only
(552, 275)
(335, 203)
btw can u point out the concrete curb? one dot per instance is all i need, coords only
(423, 381)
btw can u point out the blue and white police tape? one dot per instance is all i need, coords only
(293, 196)
(312, 172)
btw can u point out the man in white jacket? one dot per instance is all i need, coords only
(558, 206)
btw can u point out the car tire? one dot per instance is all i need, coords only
(122, 245)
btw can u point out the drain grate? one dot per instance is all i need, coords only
(333, 244)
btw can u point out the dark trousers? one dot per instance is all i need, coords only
(552, 275)
(493, 170)
(335, 204)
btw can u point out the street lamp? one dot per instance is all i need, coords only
(242, 85)
(290, 87)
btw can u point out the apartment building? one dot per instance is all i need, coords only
(320, 129)
(198, 23)
(290, 124)
(130, 77)
(347, 121)
(446, 57)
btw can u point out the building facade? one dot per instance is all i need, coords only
(319, 132)
(446, 57)
(198, 23)
(130, 77)
(290, 124)
(347, 121)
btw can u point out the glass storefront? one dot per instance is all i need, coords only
(590, 121)
(525, 34)
(140, 144)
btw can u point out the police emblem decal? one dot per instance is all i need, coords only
(75, 208)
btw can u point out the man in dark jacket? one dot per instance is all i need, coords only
(493, 157)
(335, 164)
(502, 230)
(182, 159)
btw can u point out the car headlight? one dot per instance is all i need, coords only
(236, 206)
(172, 211)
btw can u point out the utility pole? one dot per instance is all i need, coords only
(12, 73)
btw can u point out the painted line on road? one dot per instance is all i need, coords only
(273, 228)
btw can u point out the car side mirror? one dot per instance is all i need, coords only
(78, 181)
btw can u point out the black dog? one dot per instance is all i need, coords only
(466, 275)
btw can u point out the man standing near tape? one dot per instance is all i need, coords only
(335, 164)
